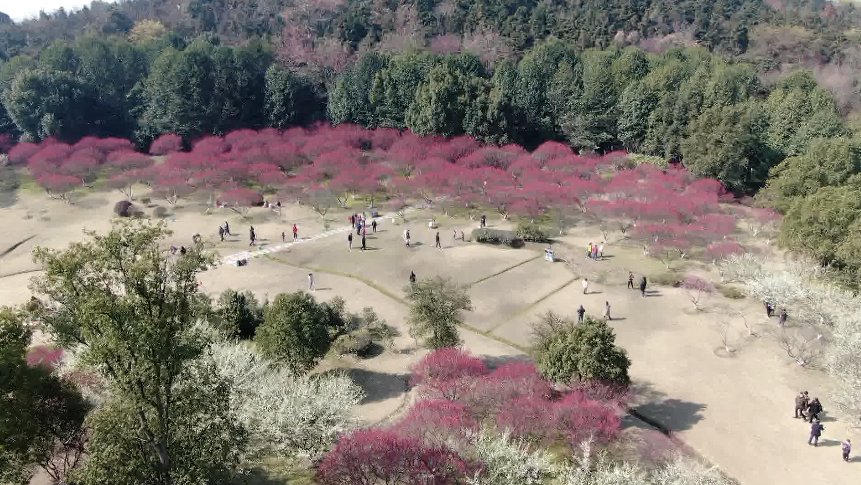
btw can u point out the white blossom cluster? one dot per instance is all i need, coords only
(300, 416)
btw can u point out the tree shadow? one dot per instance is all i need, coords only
(666, 414)
(379, 386)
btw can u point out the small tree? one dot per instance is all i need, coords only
(447, 373)
(435, 306)
(585, 351)
(238, 314)
(294, 331)
(697, 289)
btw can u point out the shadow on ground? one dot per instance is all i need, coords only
(379, 386)
(666, 414)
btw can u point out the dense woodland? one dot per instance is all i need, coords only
(751, 92)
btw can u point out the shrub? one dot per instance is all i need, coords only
(238, 314)
(435, 311)
(124, 208)
(497, 236)
(731, 292)
(295, 331)
(529, 231)
(583, 352)
(358, 342)
(505, 461)
(160, 212)
(666, 279)
(696, 289)
(377, 456)
(447, 372)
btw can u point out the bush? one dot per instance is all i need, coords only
(730, 292)
(572, 419)
(666, 279)
(238, 314)
(497, 236)
(295, 331)
(160, 212)
(124, 208)
(582, 352)
(529, 231)
(380, 456)
(357, 343)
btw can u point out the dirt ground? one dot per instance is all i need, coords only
(735, 409)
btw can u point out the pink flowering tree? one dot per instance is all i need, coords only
(447, 373)
(166, 144)
(379, 456)
(436, 421)
(697, 290)
(241, 199)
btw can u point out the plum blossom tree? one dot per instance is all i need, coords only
(447, 373)
(165, 144)
(697, 289)
(436, 421)
(241, 199)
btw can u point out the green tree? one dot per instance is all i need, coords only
(134, 309)
(290, 98)
(727, 143)
(821, 223)
(42, 419)
(591, 123)
(636, 106)
(350, 98)
(295, 331)
(799, 110)
(206, 441)
(394, 88)
(238, 314)
(440, 102)
(435, 311)
(585, 351)
(825, 162)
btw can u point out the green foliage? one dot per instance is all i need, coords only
(529, 231)
(134, 310)
(42, 415)
(362, 332)
(497, 236)
(238, 314)
(731, 292)
(206, 441)
(435, 311)
(290, 98)
(295, 331)
(585, 351)
(725, 142)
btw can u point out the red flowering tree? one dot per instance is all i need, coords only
(447, 373)
(379, 456)
(165, 144)
(20, 153)
(490, 393)
(57, 185)
(49, 356)
(436, 421)
(241, 199)
(723, 249)
(171, 185)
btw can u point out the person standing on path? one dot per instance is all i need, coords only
(221, 233)
(601, 250)
(374, 226)
(580, 312)
(595, 253)
(607, 311)
(814, 409)
(295, 232)
(363, 243)
(630, 280)
(283, 237)
(350, 240)
(585, 284)
(412, 278)
(781, 320)
(589, 250)
(816, 429)
(769, 309)
(438, 245)
(800, 405)
(483, 221)
(407, 237)
(252, 235)
(643, 286)
(226, 228)
(846, 448)
(310, 281)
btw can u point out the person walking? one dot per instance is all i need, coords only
(813, 409)
(221, 233)
(801, 404)
(407, 237)
(374, 225)
(483, 220)
(589, 250)
(310, 281)
(295, 232)
(781, 320)
(226, 228)
(438, 245)
(601, 250)
(585, 284)
(816, 429)
(769, 309)
(283, 237)
(580, 313)
(595, 253)
(643, 286)
(363, 243)
(607, 311)
(252, 235)
(412, 278)
(350, 240)
(846, 448)
(630, 280)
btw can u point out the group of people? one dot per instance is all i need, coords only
(809, 410)
(359, 222)
(641, 285)
(595, 251)
(782, 317)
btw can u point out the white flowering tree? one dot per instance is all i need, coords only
(509, 461)
(286, 414)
